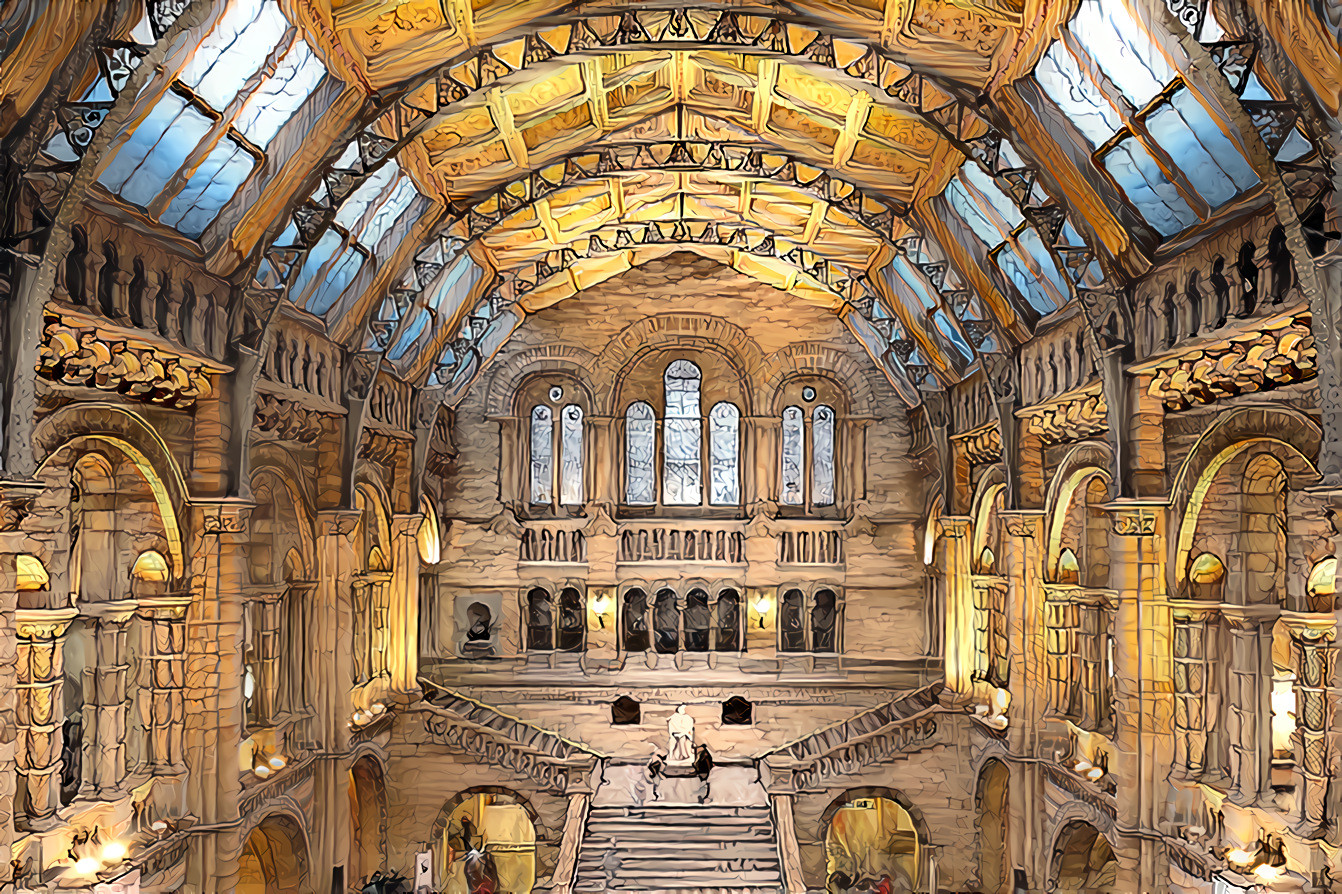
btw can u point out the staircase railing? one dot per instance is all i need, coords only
(789, 850)
(829, 738)
(570, 846)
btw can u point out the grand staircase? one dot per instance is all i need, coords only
(680, 849)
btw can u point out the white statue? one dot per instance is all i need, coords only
(681, 728)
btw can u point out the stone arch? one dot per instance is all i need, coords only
(1075, 477)
(992, 801)
(987, 497)
(461, 797)
(289, 479)
(669, 331)
(126, 433)
(510, 375)
(860, 380)
(1292, 436)
(275, 858)
(368, 816)
(442, 829)
(1073, 812)
(1082, 860)
(895, 796)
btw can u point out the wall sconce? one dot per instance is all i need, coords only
(761, 606)
(601, 608)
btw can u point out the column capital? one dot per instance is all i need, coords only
(1136, 518)
(1311, 625)
(1022, 522)
(406, 524)
(43, 623)
(116, 611)
(1250, 617)
(224, 515)
(341, 522)
(164, 606)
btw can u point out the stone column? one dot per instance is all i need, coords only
(403, 628)
(1313, 641)
(604, 451)
(1143, 710)
(41, 669)
(11, 543)
(107, 696)
(332, 668)
(162, 680)
(1250, 701)
(1194, 626)
(759, 472)
(214, 680)
(960, 660)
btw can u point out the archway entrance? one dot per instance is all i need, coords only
(274, 860)
(870, 838)
(488, 842)
(994, 854)
(1083, 862)
(367, 806)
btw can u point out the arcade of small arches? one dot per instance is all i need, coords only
(491, 447)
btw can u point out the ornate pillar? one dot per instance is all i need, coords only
(1314, 644)
(1143, 709)
(214, 677)
(40, 710)
(106, 694)
(332, 669)
(403, 647)
(604, 459)
(161, 682)
(1250, 701)
(758, 473)
(1194, 660)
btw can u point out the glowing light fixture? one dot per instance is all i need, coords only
(114, 852)
(87, 865)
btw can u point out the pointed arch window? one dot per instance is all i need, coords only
(542, 455)
(682, 467)
(1150, 134)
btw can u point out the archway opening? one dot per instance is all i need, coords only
(487, 843)
(274, 860)
(1083, 861)
(870, 840)
(994, 853)
(368, 807)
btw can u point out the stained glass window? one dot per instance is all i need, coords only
(570, 485)
(724, 447)
(790, 493)
(640, 435)
(1174, 161)
(681, 469)
(198, 145)
(542, 455)
(822, 456)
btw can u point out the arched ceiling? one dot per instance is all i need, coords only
(815, 88)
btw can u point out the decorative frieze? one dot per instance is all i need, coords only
(92, 357)
(663, 544)
(544, 543)
(810, 547)
(1075, 417)
(1280, 354)
(287, 420)
(982, 445)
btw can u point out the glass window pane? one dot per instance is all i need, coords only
(1210, 159)
(1033, 245)
(1000, 201)
(915, 283)
(1025, 281)
(234, 51)
(790, 491)
(131, 153)
(724, 445)
(280, 95)
(822, 456)
(216, 180)
(165, 158)
(391, 207)
(323, 251)
(1146, 186)
(409, 335)
(353, 208)
(639, 446)
(542, 455)
(1122, 49)
(1076, 94)
(952, 334)
(681, 473)
(570, 434)
(969, 211)
(341, 275)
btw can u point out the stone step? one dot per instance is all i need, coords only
(689, 848)
(666, 857)
(699, 811)
(662, 877)
(663, 889)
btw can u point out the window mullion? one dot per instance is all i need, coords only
(1167, 165)
(1092, 70)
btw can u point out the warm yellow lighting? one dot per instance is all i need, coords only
(151, 567)
(426, 538)
(378, 707)
(1001, 700)
(1283, 713)
(1094, 773)
(32, 574)
(1206, 569)
(1269, 873)
(158, 826)
(277, 762)
(601, 604)
(87, 866)
(261, 770)
(114, 852)
(1082, 766)
(1238, 857)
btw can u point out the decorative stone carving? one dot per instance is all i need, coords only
(1257, 361)
(86, 356)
